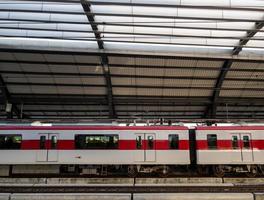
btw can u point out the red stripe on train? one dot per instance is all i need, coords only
(227, 144)
(122, 145)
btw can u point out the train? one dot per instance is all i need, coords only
(104, 150)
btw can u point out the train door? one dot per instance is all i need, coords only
(48, 151)
(42, 152)
(150, 151)
(145, 145)
(140, 152)
(246, 147)
(236, 148)
(53, 148)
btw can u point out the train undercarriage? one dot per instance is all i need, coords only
(133, 170)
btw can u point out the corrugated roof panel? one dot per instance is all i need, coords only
(39, 89)
(123, 81)
(149, 61)
(87, 59)
(17, 89)
(7, 56)
(175, 92)
(95, 91)
(239, 74)
(234, 84)
(179, 72)
(67, 80)
(230, 93)
(254, 84)
(244, 65)
(121, 60)
(123, 70)
(198, 92)
(252, 93)
(258, 75)
(206, 73)
(64, 69)
(14, 78)
(182, 62)
(203, 83)
(29, 56)
(93, 80)
(150, 71)
(40, 79)
(176, 82)
(70, 90)
(59, 58)
(9, 66)
(210, 63)
(149, 92)
(91, 69)
(125, 91)
(149, 82)
(34, 67)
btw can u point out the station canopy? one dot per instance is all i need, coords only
(132, 59)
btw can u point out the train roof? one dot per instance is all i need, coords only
(229, 128)
(81, 127)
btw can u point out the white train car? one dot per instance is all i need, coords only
(94, 145)
(230, 148)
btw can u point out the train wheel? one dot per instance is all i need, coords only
(261, 169)
(219, 171)
(132, 171)
(164, 173)
(203, 170)
(253, 171)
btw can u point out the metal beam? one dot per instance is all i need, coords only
(89, 13)
(137, 54)
(13, 74)
(7, 99)
(212, 109)
(120, 24)
(249, 36)
(104, 60)
(65, 64)
(140, 35)
(159, 5)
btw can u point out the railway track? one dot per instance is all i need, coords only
(133, 189)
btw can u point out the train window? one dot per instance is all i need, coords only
(212, 141)
(174, 141)
(246, 142)
(10, 141)
(42, 142)
(96, 141)
(54, 142)
(234, 142)
(150, 142)
(139, 142)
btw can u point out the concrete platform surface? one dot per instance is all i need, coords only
(177, 180)
(4, 196)
(244, 180)
(90, 196)
(259, 196)
(193, 196)
(186, 184)
(90, 181)
(23, 180)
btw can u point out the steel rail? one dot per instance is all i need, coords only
(132, 189)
